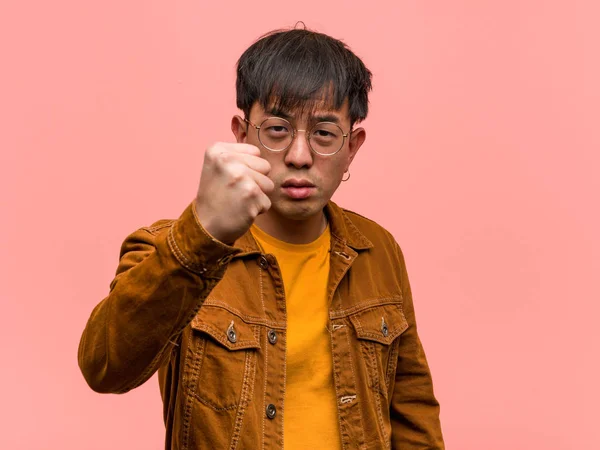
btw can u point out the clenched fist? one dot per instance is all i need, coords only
(233, 190)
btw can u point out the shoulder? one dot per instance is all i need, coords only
(144, 238)
(157, 226)
(372, 230)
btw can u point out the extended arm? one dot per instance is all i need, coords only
(165, 272)
(414, 409)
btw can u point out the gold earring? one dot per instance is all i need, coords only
(348, 176)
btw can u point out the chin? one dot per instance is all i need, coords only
(297, 210)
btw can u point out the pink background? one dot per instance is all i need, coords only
(482, 158)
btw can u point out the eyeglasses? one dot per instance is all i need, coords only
(277, 134)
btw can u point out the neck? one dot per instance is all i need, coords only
(292, 231)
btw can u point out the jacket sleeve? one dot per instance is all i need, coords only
(414, 409)
(164, 274)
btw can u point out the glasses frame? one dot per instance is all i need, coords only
(295, 132)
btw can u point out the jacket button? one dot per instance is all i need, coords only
(271, 411)
(231, 334)
(272, 336)
(263, 263)
(384, 328)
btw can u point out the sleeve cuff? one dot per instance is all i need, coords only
(195, 248)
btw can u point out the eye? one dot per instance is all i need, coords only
(277, 129)
(323, 133)
(326, 134)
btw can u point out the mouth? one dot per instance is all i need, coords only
(297, 183)
(298, 189)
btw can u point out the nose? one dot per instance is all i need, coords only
(299, 154)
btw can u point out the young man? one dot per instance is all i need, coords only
(274, 317)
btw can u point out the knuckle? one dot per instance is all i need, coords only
(254, 211)
(217, 155)
(210, 153)
(249, 191)
(215, 147)
(255, 191)
(252, 148)
(223, 157)
(236, 175)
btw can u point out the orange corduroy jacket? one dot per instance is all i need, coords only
(211, 319)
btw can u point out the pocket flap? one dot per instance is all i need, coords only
(226, 328)
(381, 324)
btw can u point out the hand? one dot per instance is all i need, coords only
(233, 190)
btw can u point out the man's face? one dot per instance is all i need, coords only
(299, 165)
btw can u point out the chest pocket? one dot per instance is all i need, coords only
(378, 330)
(221, 366)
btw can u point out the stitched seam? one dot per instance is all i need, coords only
(262, 295)
(154, 229)
(351, 362)
(390, 365)
(362, 425)
(378, 338)
(191, 388)
(359, 327)
(337, 378)
(212, 405)
(366, 305)
(265, 392)
(239, 345)
(176, 250)
(242, 405)
(282, 390)
(262, 300)
(377, 393)
(183, 260)
(335, 385)
(245, 318)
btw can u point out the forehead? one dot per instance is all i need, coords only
(318, 109)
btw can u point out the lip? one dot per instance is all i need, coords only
(297, 183)
(298, 192)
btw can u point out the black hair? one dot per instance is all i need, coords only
(295, 69)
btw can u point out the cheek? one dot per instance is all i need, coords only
(335, 169)
(331, 175)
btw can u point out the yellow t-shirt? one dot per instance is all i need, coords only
(310, 415)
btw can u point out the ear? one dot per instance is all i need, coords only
(239, 128)
(357, 138)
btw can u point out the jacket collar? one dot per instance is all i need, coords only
(341, 226)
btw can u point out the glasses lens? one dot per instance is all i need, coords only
(326, 138)
(275, 134)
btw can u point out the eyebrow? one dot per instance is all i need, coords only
(315, 118)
